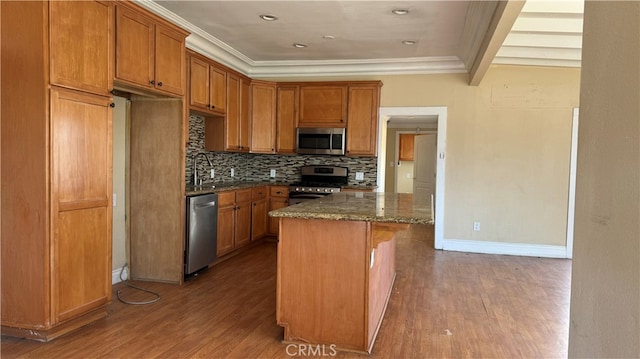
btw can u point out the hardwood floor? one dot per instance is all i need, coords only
(444, 305)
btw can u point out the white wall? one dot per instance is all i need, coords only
(119, 255)
(605, 284)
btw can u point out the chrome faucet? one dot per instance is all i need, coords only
(195, 168)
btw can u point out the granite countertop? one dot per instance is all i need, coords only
(363, 187)
(362, 206)
(191, 190)
(207, 188)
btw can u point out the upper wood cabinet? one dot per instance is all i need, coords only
(323, 105)
(150, 53)
(236, 129)
(286, 119)
(81, 45)
(263, 117)
(207, 86)
(362, 121)
(406, 146)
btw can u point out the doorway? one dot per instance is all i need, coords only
(410, 116)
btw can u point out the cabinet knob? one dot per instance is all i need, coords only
(152, 82)
(160, 83)
(213, 106)
(279, 192)
(112, 105)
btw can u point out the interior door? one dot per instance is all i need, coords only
(424, 150)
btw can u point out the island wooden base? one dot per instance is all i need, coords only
(334, 281)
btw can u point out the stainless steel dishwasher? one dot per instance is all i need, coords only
(202, 232)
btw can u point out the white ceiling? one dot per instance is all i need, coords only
(451, 36)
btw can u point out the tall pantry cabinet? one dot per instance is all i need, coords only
(56, 70)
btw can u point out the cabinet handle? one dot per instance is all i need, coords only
(279, 192)
(212, 106)
(152, 82)
(160, 83)
(112, 105)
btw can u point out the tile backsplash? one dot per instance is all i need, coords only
(256, 167)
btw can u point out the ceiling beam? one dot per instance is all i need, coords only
(502, 21)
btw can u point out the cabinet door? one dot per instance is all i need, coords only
(323, 106)
(80, 202)
(286, 119)
(259, 223)
(226, 229)
(263, 118)
(233, 113)
(243, 224)
(276, 203)
(406, 146)
(170, 63)
(245, 115)
(135, 55)
(198, 83)
(362, 122)
(81, 45)
(218, 89)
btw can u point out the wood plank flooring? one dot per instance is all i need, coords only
(444, 305)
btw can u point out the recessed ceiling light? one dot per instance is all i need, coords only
(328, 37)
(267, 17)
(409, 42)
(299, 45)
(400, 11)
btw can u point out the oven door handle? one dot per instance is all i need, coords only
(308, 196)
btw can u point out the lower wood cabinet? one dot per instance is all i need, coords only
(234, 220)
(278, 198)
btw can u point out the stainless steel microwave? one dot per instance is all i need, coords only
(321, 141)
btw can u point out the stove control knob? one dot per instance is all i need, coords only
(317, 189)
(332, 190)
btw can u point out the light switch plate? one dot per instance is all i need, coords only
(272, 173)
(359, 176)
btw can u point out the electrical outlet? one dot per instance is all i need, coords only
(272, 173)
(476, 226)
(213, 173)
(359, 176)
(233, 173)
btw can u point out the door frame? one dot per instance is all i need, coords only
(440, 111)
(571, 206)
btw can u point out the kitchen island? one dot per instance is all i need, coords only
(336, 266)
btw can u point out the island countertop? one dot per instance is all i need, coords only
(362, 206)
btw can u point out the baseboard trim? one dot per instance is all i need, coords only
(115, 275)
(512, 249)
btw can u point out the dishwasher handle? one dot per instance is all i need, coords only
(205, 205)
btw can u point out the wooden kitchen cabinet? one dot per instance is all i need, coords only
(232, 133)
(278, 198)
(362, 120)
(81, 45)
(286, 119)
(234, 220)
(406, 146)
(258, 213)
(323, 105)
(150, 52)
(56, 197)
(207, 86)
(263, 117)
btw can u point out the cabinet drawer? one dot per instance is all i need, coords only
(243, 196)
(226, 198)
(258, 193)
(279, 191)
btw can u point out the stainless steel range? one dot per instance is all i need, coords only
(317, 182)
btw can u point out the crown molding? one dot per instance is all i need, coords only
(208, 45)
